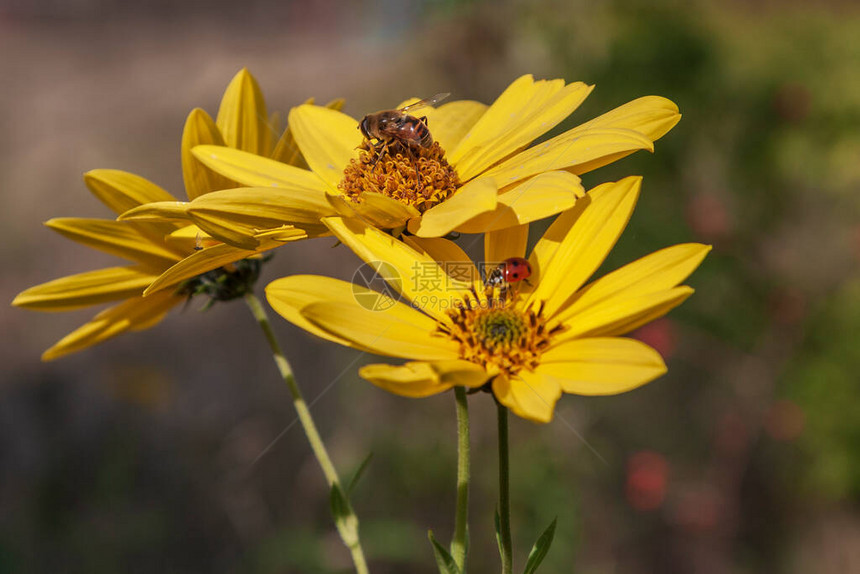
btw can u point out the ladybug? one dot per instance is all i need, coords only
(511, 270)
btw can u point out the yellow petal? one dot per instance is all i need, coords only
(237, 216)
(121, 191)
(256, 171)
(205, 260)
(622, 314)
(601, 366)
(382, 211)
(286, 233)
(651, 116)
(289, 295)
(132, 315)
(287, 150)
(421, 379)
(327, 139)
(335, 104)
(475, 198)
(437, 248)
(461, 373)
(455, 263)
(417, 276)
(189, 232)
(84, 289)
(546, 247)
(504, 243)
(524, 111)
(633, 322)
(375, 209)
(399, 331)
(242, 116)
(658, 271)
(156, 212)
(450, 122)
(528, 394)
(114, 237)
(200, 129)
(570, 150)
(159, 221)
(345, 207)
(187, 239)
(599, 220)
(542, 196)
(413, 380)
(276, 128)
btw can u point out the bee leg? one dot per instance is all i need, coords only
(424, 121)
(417, 173)
(379, 148)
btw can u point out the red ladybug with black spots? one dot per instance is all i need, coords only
(511, 270)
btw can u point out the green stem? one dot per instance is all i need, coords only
(459, 544)
(504, 493)
(307, 422)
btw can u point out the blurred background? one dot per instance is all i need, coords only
(171, 450)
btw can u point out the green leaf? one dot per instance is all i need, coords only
(540, 548)
(344, 517)
(355, 477)
(444, 560)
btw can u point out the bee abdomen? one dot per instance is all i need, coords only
(426, 139)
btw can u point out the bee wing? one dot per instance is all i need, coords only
(426, 102)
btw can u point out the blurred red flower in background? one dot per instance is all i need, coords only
(647, 478)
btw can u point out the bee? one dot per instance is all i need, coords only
(511, 270)
(389, 127)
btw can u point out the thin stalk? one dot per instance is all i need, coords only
(306, 420)
(504, 493)
(459, 543)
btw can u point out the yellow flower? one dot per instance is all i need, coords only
(479, 175)
(528, 341)
(177, 254)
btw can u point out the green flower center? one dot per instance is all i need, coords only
(416, 176)
(499, 329)
(225, 283)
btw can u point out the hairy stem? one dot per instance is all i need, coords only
(459, 544)
(504, 493)
(306, 420)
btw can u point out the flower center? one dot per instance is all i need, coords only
(500, 335)
(416, 176)
(225, 284)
